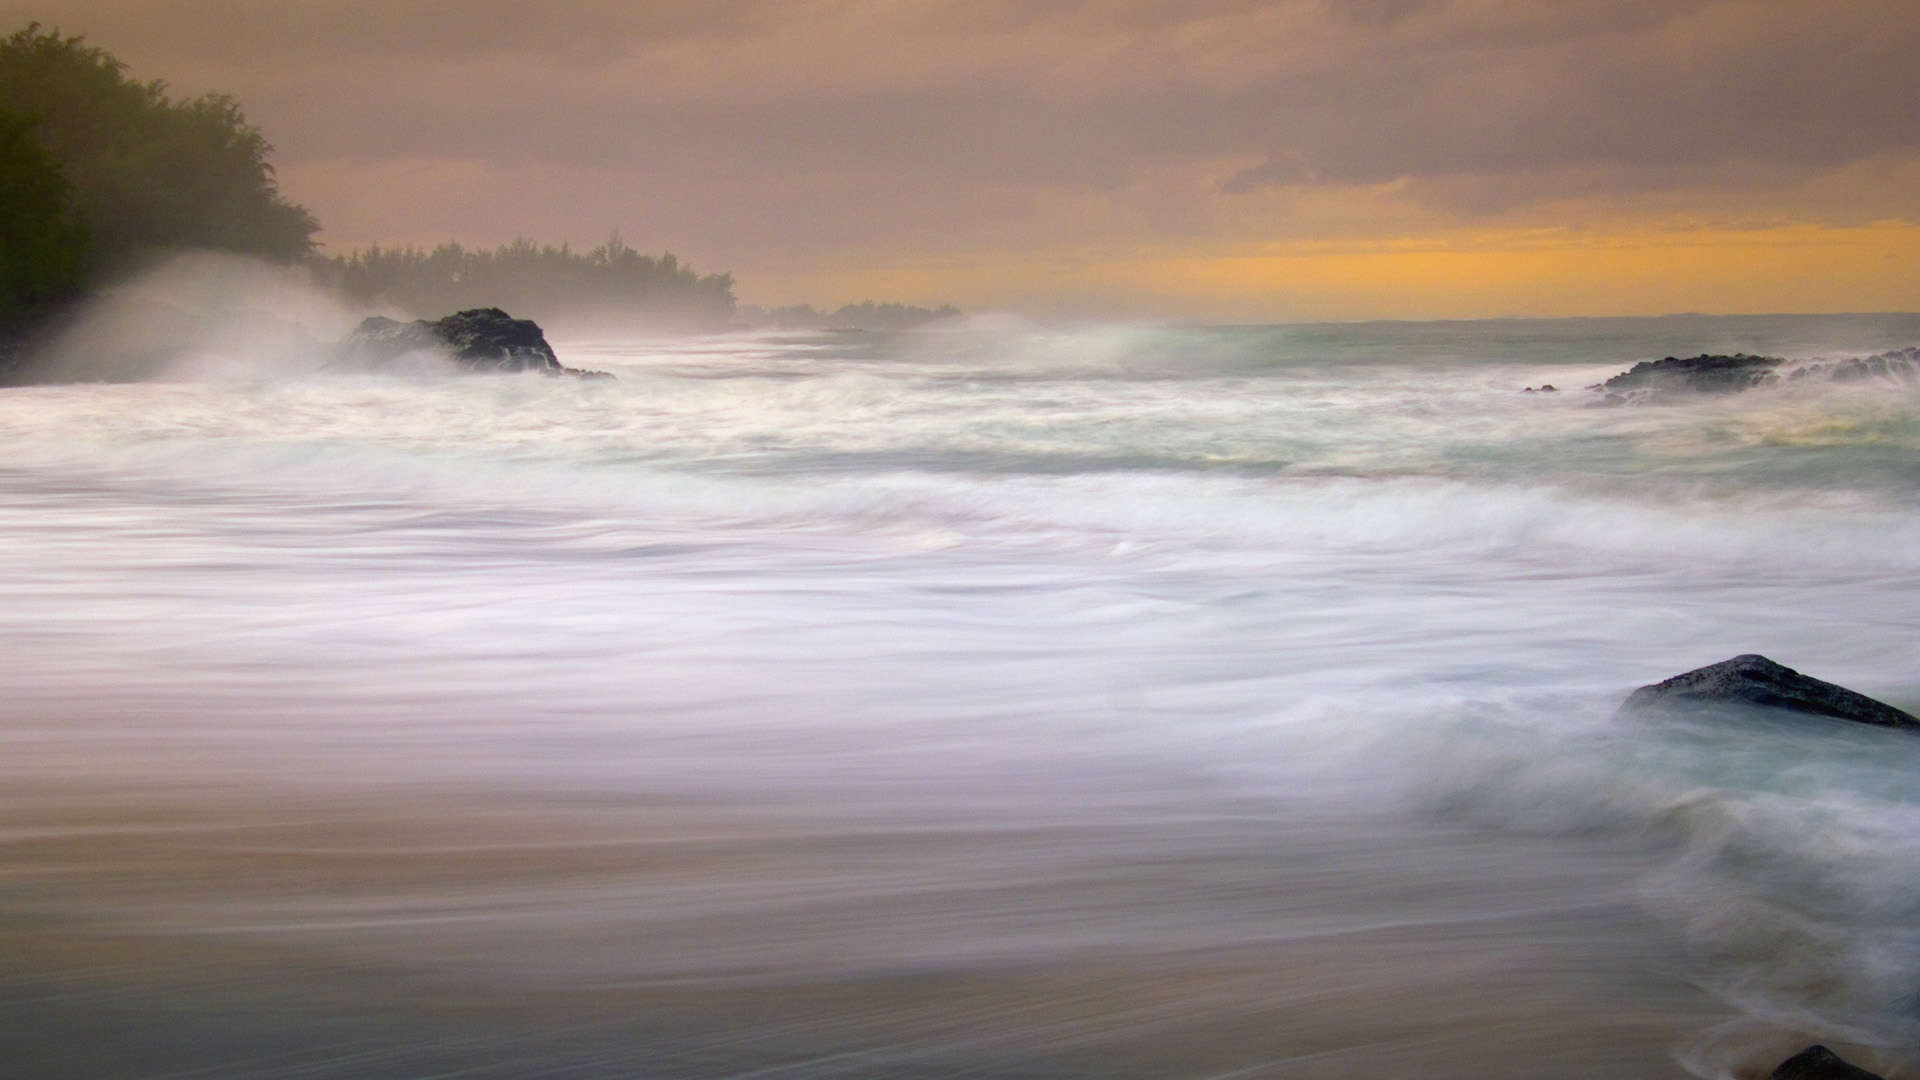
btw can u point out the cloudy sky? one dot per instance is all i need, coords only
(1212, 159)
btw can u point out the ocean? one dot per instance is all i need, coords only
(992, 700)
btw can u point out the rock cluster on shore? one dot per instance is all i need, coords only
(479, 339)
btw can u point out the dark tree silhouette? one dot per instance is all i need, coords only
(41, 244)
(147, 172)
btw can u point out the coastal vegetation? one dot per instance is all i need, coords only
(101, 170)
(41, 241)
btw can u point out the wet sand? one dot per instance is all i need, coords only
(448, 932)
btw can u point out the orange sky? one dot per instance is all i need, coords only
(1205, 159)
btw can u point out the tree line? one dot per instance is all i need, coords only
(609, 281)
(865, 315)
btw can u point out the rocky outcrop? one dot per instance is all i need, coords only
(1703, 374)
(481, 339)
(1754, 680)
(1712, 373)
(1819, 1063)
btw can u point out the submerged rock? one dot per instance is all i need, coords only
(1752, 679)
(1819, 1063)
(479, 339)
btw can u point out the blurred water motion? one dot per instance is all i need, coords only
(1131, 703)
(346, 935)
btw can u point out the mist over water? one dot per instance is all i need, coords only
(1000, 700)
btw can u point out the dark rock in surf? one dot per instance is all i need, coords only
(1703, 374)
(1711, 373)
(1899, 365)
(1754, 680)
(1819, 1063)
(480, 339)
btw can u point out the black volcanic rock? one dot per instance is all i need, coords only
(1819, 1063)
(1703, 374)
(1752, 679)
(1713, 373)
(480, 339)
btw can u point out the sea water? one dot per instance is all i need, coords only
(990, 700)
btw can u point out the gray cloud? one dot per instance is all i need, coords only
(1747, 84)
